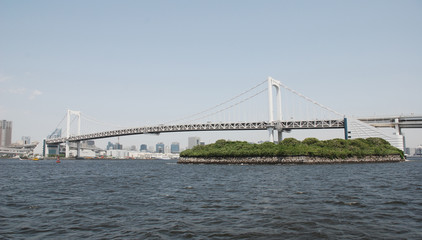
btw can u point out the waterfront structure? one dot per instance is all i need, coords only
(5, 133)
(143, 148)
(159, 147)
(118, 153)
(193, 141)
(175, 147)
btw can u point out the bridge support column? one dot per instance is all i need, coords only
(78, 152)
(397, 127)
(400, 138)
(58, 150)
(67, 153)
(44, 148)
(271, 131)
(280, 135)
(346, 130)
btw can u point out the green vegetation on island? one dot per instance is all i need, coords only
(333, 149)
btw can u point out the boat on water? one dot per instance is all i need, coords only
(36, 158)
(17, 157)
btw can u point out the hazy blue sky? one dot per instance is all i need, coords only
(134, 63)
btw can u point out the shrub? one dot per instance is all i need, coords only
(290, 141)
(310, 141)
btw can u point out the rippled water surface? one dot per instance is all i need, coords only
(158, 199)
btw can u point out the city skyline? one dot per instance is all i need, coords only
(154, 62)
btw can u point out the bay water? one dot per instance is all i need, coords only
(160, 199)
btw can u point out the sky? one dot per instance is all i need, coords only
(138, 63)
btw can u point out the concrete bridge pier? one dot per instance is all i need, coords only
(397, 126)
(400, 138)
(78, 152)
(67, 153)
(271, 131)
(280, 135)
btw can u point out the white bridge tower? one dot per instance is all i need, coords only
(277, 84)
(78, 114)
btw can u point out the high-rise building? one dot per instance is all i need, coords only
(144, 148)
(175, 147)
(116, 146)
(5, 133)
(159, 147)
(26, 140)
(110, 146)
(193, 141)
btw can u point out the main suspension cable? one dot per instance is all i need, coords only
(91, 119)
(218, 105)
(310, 100)
(231, 106)
(64, 117)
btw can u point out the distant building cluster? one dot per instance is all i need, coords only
(160, 147)
(414, 151)
(88, 148)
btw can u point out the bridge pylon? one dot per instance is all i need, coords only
(69, 113)
(277, 84)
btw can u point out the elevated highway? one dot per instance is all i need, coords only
(394, 121)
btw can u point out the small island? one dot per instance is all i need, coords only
(292, 151)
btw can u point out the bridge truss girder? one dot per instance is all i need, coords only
(280, 125)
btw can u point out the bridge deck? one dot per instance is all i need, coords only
(287, 125)
(389, 122)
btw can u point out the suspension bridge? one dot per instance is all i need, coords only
(281, 118)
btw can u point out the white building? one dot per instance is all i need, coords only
(120, 154)
(193, 141)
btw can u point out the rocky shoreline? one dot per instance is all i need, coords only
(290, 160)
